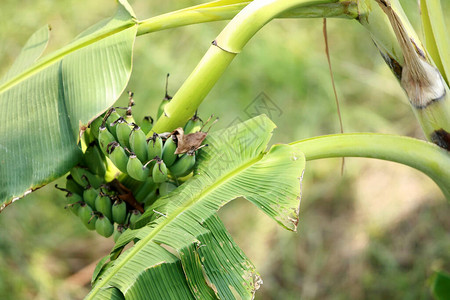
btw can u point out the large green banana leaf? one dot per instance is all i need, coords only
(45, 102)
(183, 250)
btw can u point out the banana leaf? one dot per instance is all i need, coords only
(183, 250)
(46, 102)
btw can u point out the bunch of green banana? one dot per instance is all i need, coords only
(122, 172)
(97, 208)
(126, 148)
(124, 143)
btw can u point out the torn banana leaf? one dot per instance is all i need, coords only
(183, 250)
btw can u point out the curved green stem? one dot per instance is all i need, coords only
(209, 12)
(227, 45)
(225, 10)
(423, 156)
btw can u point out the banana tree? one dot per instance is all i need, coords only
(181, 249)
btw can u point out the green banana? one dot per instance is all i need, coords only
(147, 124)
(123, 131)
(72, 186)
(193, 125)
(165, 101)
(118, 156)
(74, 202)
(103, 204)
(129, 116)
(86, 138)
(89, 196)
(83, 177)
(163, 104)
(159, 172)
(144, 189)
(111, 120)
(117, 232)
(129, 113)
(74, 199)
(95, 125)
(166, 187)
(104, 138)
(138, 143)
(94, 159)
(129, 182)
(135, 215)
(154, 146)
(87, 217)
(119, 211)
(103, 226)
(184, 165)
(168, 152)
(150, 198)
(135, 168)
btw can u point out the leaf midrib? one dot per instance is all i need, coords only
(173, 216)
(59, 55)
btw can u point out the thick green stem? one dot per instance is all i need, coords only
(226, 46)
(421, 155)
(402, 50)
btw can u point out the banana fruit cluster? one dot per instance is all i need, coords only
(123, 172)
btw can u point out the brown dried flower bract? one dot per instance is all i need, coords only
(189, 142)
(192, 141)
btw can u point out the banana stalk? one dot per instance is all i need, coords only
(226, 46)
(427, 91)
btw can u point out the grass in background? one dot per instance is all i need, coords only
(375, 233)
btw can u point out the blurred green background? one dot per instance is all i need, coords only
(377, 232)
